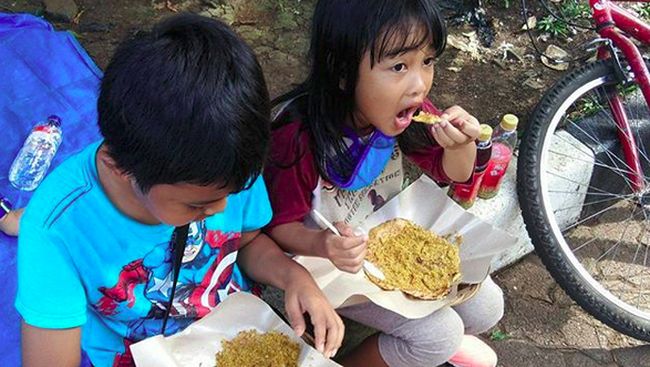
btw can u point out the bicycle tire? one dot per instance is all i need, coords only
(558, 261)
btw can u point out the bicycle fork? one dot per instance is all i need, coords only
(628, 141)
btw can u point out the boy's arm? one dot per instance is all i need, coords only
(264, 262)
(50, 347)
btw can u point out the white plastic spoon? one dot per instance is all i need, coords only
(367, 265)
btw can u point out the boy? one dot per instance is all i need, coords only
(183, 111)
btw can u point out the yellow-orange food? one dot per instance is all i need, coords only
(426, 118)
(414, 260)
(252, 349)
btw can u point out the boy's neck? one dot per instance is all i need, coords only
(120, 191)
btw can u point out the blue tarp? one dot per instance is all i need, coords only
(42, 72)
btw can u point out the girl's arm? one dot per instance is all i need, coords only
(346, 252)
(264, 262)
(458, 163)
(50, 347)
(456, 133)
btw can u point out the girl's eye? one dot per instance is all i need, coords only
(428, 61)
(399, 67)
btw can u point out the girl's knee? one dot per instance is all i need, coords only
(484, 310)
(429, 341)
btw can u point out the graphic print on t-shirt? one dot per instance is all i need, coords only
(208, 274)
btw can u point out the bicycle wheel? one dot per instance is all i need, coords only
(589, 228)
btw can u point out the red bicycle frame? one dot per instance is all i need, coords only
(609, 19)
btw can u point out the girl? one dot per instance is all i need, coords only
(337, 147)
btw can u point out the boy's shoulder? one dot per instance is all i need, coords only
(62, 189)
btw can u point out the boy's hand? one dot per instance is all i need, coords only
(10, 223)
(456, 129)
(303, 295)
(346, 251)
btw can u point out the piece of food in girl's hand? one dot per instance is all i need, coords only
(252, 349)
(414, 260)
(427, 118)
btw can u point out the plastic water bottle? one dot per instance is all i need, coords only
(31, 164)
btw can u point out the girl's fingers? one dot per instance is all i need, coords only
(471, 128)
(453, 133)
(344, 229)
(440, 137)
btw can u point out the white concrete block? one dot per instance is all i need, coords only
(503, 212)
(568, 181)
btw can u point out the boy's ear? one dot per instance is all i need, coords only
(110, 163)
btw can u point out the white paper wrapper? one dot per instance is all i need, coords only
(426, 204)
(198, 344)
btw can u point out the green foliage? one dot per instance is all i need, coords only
(574, 10)
(498, 335)
(554, 27)
(643, 10)
(570, 12)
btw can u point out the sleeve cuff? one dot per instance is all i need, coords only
(45, 321)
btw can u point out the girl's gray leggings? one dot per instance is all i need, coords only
(431, 340)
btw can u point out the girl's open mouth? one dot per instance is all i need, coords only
(403, 118)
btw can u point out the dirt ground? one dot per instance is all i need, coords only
(541, 327)
(484, 82)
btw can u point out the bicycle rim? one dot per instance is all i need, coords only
(597, 220)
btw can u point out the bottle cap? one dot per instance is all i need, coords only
(485, 133)
(509, 122)
(54, 120)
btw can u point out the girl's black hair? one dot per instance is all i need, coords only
(186, 102)
(342, 31)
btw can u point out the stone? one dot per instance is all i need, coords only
(555, 54)
(60, 10)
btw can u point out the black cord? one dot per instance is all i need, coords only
(524, 15)
(563, 19)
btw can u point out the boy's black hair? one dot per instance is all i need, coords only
(342, 31)
(186, 102)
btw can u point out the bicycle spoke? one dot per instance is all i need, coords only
(584, 205)
(620, 239)
(595, 163)
(639, 141)
(609, 153)
(584, 244)
(645, 264)
(597, 141)
(583, 185)
(627, 196)
(589, 217)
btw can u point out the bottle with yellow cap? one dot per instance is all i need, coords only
(465, 193)
(504, 142)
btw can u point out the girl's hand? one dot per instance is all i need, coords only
(456, 129)
(346, 251)
(303, 295)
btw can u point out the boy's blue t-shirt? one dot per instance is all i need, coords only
(81, 262)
